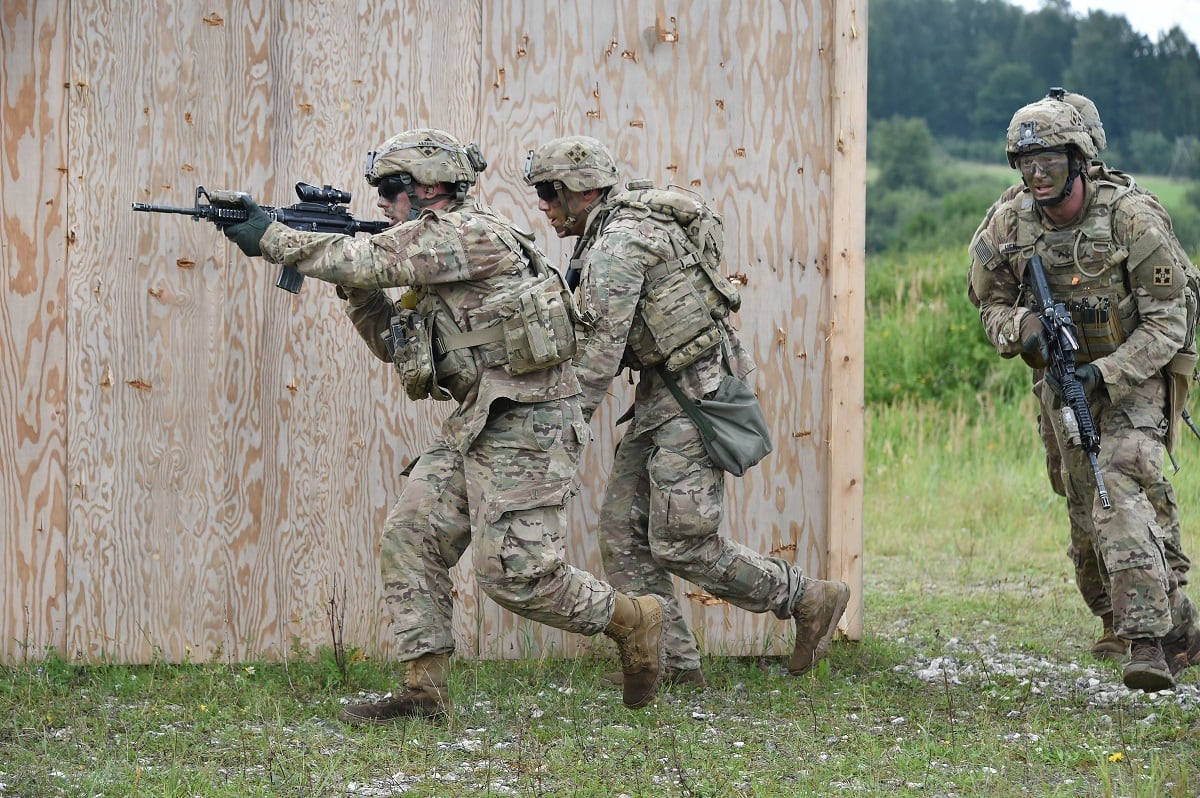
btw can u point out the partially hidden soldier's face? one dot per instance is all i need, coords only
(1045, 172)
(393, 200)
(551, 204)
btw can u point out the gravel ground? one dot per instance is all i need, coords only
(975, 663)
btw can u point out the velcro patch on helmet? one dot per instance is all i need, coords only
(428, 149)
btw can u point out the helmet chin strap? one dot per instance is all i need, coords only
(422, 202)
(571, 218)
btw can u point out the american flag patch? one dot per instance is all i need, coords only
(982, 249)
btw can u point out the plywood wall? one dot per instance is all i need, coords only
(195, 463)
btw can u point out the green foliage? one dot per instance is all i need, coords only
(1150, 151)
(964, 66)
(903, 151)
(1007, 88)
(340, 667)
(924, 340)
(902, 218)
(1186, 220)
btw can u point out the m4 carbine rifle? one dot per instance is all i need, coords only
(1060, 347)
(320, 210)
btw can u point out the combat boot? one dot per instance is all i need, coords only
(678, 677)
(1110, 646)
(636, 627)
(425, 695)
(817, 613)
(1147, 669)
(1182, 652)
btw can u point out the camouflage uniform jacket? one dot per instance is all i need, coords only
(464, 253)
(1142, 246)
(613, 255)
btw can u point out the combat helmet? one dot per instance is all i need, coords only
(1046, 125)
(578, 163)
(428, 156)
(1088, 110)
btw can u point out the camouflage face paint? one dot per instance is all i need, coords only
(1045, 172)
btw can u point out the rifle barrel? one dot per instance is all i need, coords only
(142, 206)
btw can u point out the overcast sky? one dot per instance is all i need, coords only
(1150, 17)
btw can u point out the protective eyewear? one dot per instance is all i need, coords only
(1046, 161)
(390, 187)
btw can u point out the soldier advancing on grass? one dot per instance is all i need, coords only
(1091, 578)
(664, 500)
(504, 464)
(1111, 258)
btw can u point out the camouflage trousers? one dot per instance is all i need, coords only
(1091, 578)
(661, 515)
(1124, 555)
(505, 498)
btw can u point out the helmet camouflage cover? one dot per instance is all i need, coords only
(428, 155)
(1091, 118)
(580, 163)
(1046, 125)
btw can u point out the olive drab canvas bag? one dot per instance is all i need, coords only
(730, 421)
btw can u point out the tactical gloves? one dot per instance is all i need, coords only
(1033, 342)
(1090, 378)
(249, 233)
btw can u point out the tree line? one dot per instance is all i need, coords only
(964, 67)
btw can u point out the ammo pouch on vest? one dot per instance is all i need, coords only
(410, 341)
(1102, 324)
(529, 328)
(674, 326)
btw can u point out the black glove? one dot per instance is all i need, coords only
(1090, 378)
(249, 233)
(1033, 342)
(1053, 383)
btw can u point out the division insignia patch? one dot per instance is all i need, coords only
(1163, 275)
(577, 154)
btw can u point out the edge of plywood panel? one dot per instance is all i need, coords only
(845, 282)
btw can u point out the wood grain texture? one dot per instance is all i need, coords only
(847, 290)
(34, 368)
(731, 100)
(201, 463)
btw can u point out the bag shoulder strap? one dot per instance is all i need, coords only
(689, 407)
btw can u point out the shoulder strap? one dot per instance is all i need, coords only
(689, 407)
